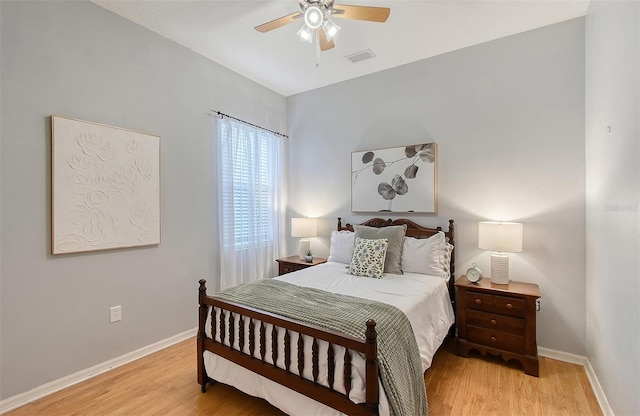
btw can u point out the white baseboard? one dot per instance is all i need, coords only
(591, 375)
(567, 357)
(82, 375)
(597, 389)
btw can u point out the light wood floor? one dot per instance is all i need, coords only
(164, 383)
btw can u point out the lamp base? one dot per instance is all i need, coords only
(303, 246)
(500, 268)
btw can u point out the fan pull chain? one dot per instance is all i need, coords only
(317, 36)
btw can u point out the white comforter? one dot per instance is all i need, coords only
(424, 299)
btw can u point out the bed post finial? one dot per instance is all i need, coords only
(339, 223)
(371, 333)
(202, 290)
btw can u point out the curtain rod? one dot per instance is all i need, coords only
(250, 124)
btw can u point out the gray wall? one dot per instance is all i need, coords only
(77, 59)
(613, 196)
(508, 117)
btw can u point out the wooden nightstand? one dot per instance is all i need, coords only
(293, 263)
(498, 319)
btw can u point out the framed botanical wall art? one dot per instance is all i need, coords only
(105, 187)
(396, 179)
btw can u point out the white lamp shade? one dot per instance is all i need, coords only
(313, 17)
(304, 227)
(306, 33)
(504, 237)
(330, 29)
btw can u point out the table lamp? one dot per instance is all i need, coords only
(304, 227)
(500, 238)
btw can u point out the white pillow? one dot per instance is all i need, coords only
(341, 249)
(426, 255)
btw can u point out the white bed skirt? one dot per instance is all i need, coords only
(285, 399)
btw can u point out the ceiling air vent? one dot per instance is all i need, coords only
(361, 56)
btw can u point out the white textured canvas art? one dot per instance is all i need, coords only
(105, 187)
(395, 179)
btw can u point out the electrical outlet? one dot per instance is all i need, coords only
(538, 304)
(115, 314)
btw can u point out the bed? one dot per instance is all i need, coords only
(314, 362)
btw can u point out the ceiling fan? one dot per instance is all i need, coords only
(317, 14)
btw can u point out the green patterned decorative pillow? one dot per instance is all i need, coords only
(368, 257)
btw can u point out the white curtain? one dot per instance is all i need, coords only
(250, 201)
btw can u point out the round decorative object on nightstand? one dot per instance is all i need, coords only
(474, 274)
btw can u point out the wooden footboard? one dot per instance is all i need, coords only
(229, 321)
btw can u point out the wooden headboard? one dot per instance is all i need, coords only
(418, 231)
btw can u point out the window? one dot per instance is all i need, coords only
(249, 199)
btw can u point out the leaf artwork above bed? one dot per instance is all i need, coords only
(396, 179)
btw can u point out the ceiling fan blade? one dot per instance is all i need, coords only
(369, 13)
(325, 43)
(274, 24)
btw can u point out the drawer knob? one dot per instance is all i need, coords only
(493, 322)
(478, 301)
(493, 339)
(509, 306)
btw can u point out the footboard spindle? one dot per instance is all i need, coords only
(331, 366)
(300, 354)
(263, 345)
(347, 371)
(314, 360)
(252, 337)
(222, 326)
(274, 344)
(287, 350)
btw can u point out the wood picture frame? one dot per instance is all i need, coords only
(399, 179)
(105, 187)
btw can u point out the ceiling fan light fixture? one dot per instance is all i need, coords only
(330, 28)
(305, 33)
(318, 26)
(313, 17)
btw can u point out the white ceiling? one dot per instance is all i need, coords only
(223, 32)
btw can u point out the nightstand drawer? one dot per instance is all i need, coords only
(288, 267)
(495, 322)
(496, 339)
(509, 306)
(294, 263)
(480, 301)
(496, 304)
